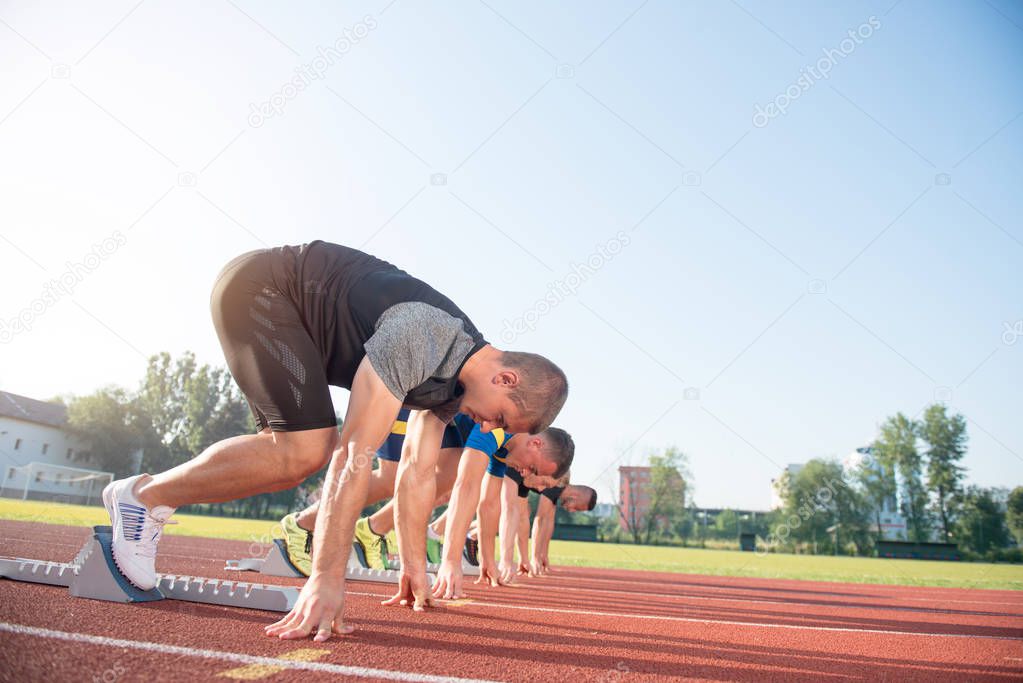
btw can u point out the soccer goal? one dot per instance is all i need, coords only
(43, 481)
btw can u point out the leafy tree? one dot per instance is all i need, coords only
(981, 524)
(1014, 513)
(666, 491)
(897, 444)
(821, 508)
(726, 524)
(946, 439)
(114, 425)
(191, 407)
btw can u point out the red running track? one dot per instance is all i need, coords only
(590, 623)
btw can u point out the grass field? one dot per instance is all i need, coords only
(618, 556)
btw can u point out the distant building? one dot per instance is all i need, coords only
(603, 510)
(893, 524)
(39, 458)
(634, 491)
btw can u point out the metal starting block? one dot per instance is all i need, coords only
(93, 574)
(276, 563)
(467, 568)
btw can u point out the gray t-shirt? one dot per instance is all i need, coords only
(414, 342)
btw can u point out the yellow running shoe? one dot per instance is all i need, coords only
(373, 546)
(299, 543)
(391, 542)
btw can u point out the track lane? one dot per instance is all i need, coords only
(501, 635)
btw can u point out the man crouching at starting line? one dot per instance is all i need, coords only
(539, 459)
(292, 321)
(515, 522)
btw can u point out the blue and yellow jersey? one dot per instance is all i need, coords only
(494, 443)
(461, 433)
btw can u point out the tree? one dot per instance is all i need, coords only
(663, 494)
(191, 406)
(981, 524)
(667, 490)
(114, 425)
(946, 439)
(821, 509)
(1014, 513)
(897, 444)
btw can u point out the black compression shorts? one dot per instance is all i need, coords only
(268, 349)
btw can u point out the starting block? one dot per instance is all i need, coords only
(276, 563)
(93, 574)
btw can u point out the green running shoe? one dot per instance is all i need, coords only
(373, 546)
(299, 544)
(434, 550)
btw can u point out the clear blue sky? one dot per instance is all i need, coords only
(788, 281)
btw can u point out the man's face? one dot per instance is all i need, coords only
(529, 460)
(489, 404)
(574, 499)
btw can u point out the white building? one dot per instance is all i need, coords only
(893, 524)
(39, 458)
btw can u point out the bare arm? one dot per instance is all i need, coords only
(543, 529)
(522, 535)
(509, 526)
(413, 501)
(464, 496)
(489, 516)
(371, 411)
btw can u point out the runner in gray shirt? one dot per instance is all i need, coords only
(292, 321)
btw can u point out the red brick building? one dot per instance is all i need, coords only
(634, 491)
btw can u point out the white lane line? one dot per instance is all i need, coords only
(162, 648)
(822, 593)
(720, 622)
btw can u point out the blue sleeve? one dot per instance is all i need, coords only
(496, 467)
(482, 442)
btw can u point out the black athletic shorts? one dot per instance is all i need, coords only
(391, 449)
(268, 349)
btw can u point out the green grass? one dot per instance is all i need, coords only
(615, 556)
(230, 528)
(783, 566)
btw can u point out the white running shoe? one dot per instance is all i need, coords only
(137, 530)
